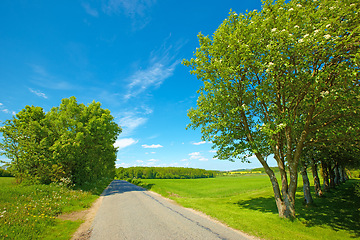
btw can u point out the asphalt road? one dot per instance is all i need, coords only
(130, 212)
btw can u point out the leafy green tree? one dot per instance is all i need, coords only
(269, 76)
(24, 142)
(72, 143)
(84, 138)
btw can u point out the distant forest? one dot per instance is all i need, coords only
(163, 173)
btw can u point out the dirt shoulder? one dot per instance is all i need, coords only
(88, 215)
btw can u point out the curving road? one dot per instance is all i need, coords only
(130, 212)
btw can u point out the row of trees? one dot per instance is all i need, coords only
(163, 173)
(279, 80)
(5, 173)
(333, 163)
(73, 143)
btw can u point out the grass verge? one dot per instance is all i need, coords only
(246, 203)
(29, 212)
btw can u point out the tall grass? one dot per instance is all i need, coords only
(247, 203)
(29, 212)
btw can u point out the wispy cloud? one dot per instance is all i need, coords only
(137, 10)
(152, 146)
(124, 142)
(42, 78)
(89, 10)
(38, 93)
(197, 156)
(199, 143)
(152, 77)
(5, 110)
(129, 122)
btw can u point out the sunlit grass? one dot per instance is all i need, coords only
(247, 203)
(29, 212)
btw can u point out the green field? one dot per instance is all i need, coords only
(29, 212)
(246, 203)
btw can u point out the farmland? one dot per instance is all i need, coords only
(246, 203)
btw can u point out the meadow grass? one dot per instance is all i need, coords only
(29, 212)
(247, 203)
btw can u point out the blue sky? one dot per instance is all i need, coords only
(125, 54)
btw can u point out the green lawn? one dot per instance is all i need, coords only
(29, 212)
(246, 203)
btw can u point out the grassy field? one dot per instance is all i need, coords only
(29, 212)
(246, 203)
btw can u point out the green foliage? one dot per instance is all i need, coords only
(275, 80)
(163, 173)
(72, 144)
(5, 173)
(28, 212)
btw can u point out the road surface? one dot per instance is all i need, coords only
(130, 212)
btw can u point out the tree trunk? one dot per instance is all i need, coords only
(284, 203)
(317, 185)
(342, 176)
(337, 180)
(306, 186)
(325, 174)
(346, 176)
(332, 176)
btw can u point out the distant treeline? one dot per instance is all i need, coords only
(163, 173)
(5, 173)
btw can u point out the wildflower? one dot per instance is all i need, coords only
(301, 40)
(273, 30)
(327, 26)
(270, 64)
(299, 5)
(296, 26)
(306, 35)
(327, 36)
(291, 9)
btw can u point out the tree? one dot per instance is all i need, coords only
(270, 75)
(24, 144)
(84, 138)
(73, 142)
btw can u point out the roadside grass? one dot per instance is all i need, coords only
(246, 203)
(30, 212)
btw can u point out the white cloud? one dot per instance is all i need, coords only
(153, 160)
(130, 122)
(139, 161)
(194, 155)
(153, 76)
(199, 143)
(152, 146)
(197, 156)
(89, 10)
(5, 110)
(43, 79)
(212, 151)
(124, 165)
(125, 142)
(38, 93)
(137, 10)
(150, 152)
